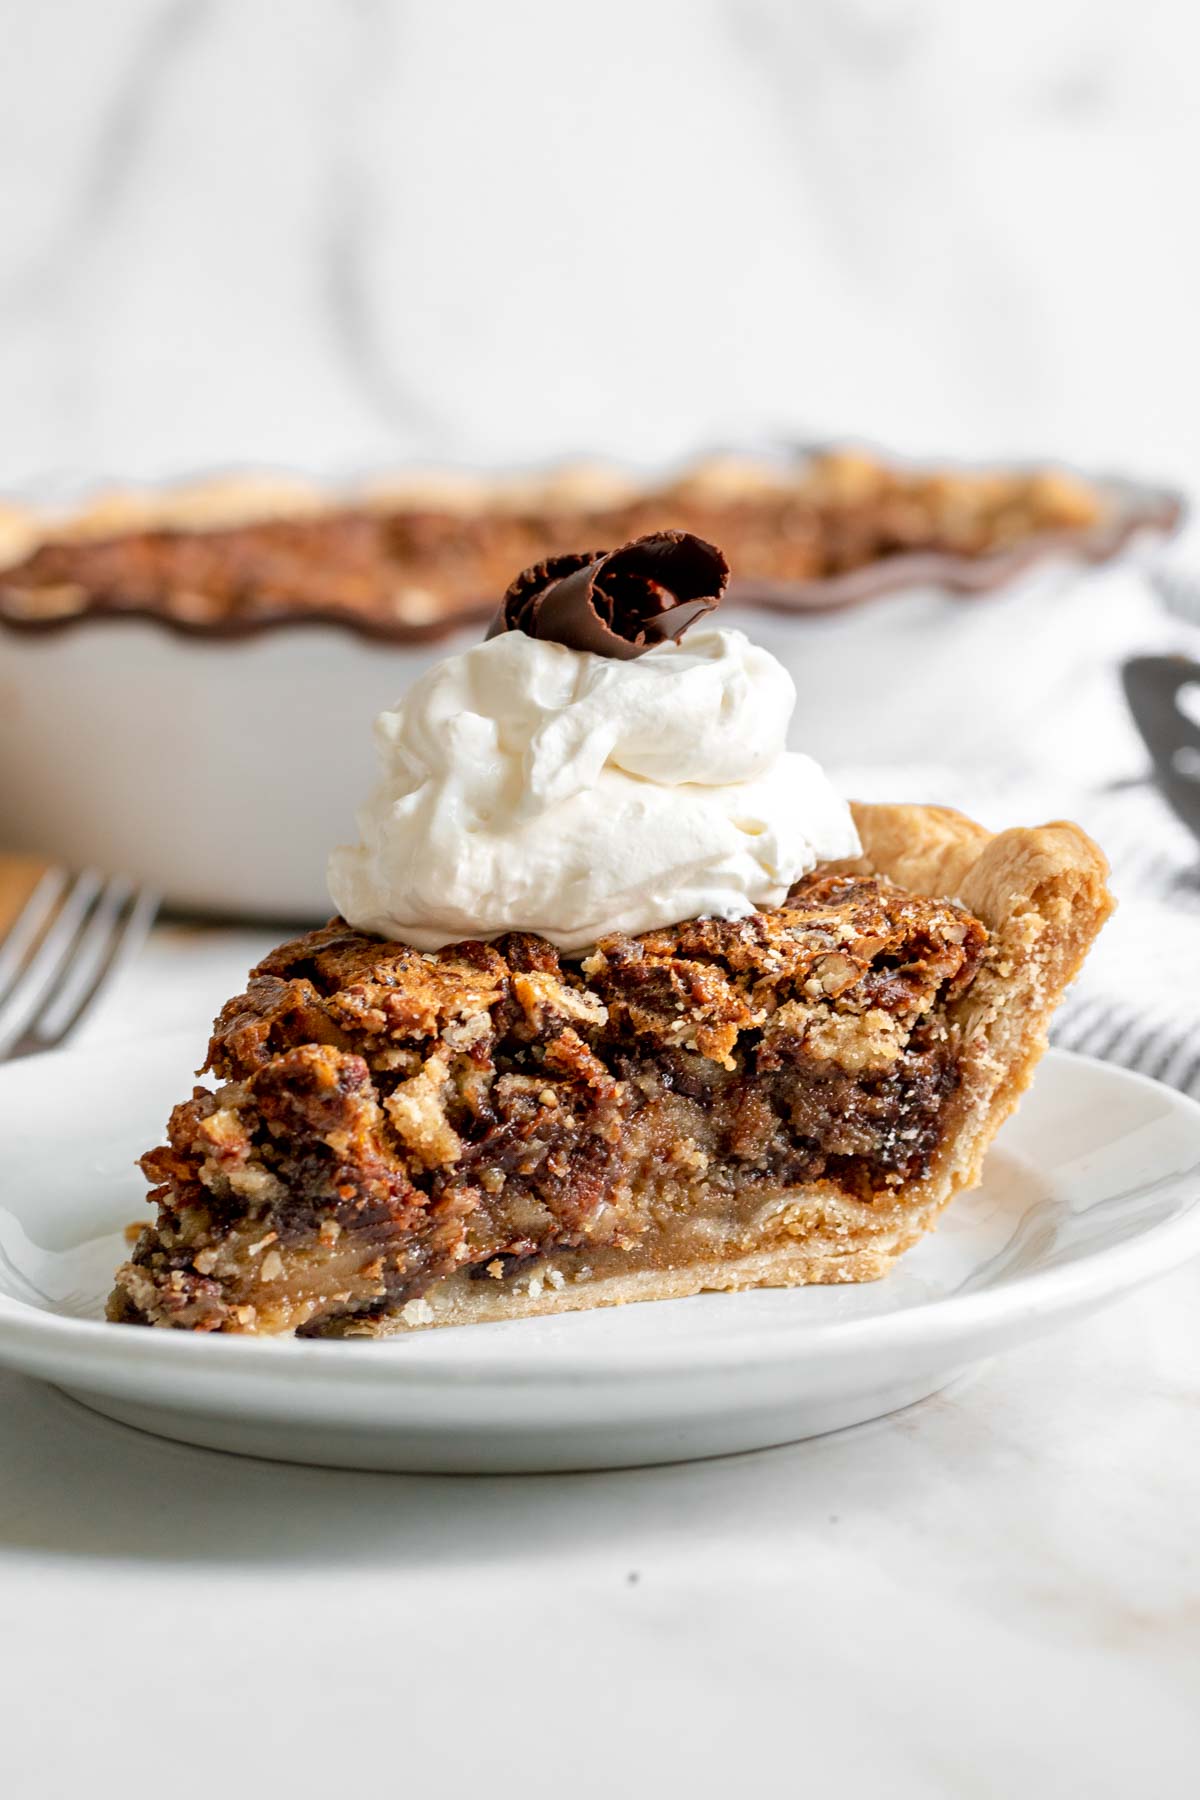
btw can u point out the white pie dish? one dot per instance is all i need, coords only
(1092, 1188)
(222, 769)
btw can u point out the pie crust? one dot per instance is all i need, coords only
(1040, 893)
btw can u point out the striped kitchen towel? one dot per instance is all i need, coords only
(1137, 1001)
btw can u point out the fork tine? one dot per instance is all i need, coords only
(44, 968)
(115, 931)
(27, 926)
(90, 948)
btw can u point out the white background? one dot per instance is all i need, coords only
(335, 233)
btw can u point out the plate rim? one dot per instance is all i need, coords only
(1041, 1295)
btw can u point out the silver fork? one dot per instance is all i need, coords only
(71, 936)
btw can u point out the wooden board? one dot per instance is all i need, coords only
(18, 878)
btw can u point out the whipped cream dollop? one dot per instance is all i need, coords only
(528, 786)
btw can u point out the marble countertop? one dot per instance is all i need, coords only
(459, 231)
(396, 232)
(997, 1591)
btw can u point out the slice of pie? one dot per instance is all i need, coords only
(491, 1130)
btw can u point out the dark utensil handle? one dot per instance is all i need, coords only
(1154, 688)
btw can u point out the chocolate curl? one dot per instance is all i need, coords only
(617, 603)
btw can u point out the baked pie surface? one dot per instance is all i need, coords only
(236, 555)
(491, 1131)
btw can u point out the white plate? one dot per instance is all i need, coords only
(1091, 1189)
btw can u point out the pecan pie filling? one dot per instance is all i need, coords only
(389, 1120)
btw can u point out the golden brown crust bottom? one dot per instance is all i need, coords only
(458, 1300)
(1042, 892)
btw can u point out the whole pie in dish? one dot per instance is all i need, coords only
(774, 1039)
